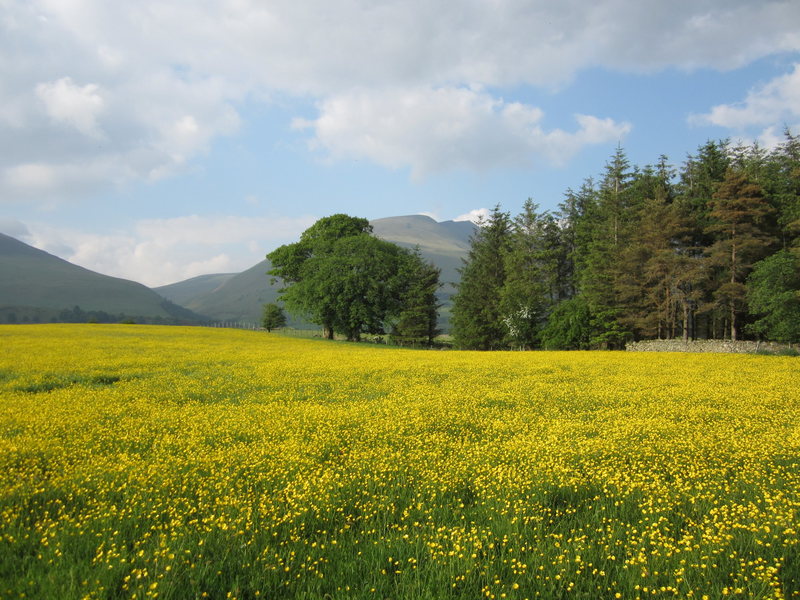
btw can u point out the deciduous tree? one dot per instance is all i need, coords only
(773, 293)
(340, 276)
(273, 317)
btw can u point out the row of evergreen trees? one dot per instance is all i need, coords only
(711, 250)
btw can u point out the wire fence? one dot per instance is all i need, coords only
(288, 331)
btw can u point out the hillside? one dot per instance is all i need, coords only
(184, 292)
(33, 282)
(240, 297)
(443, 244)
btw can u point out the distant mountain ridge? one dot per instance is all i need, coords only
(239, 297)
(35, 285)
(40, 286)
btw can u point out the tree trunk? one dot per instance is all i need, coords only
(733, 280)
(685, 321)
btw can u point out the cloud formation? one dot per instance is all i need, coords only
(476, 215)
(777, 101)
(431, 130)
(73, 105)
(99, 94)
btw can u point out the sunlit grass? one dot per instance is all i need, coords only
(142, 462)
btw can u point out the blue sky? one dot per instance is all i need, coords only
(159, 140)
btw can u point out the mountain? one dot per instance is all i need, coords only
(240, 297)
(185, 291)
(237, 297)
(443, 244)
(38, 286)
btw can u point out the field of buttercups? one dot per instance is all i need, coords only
(155, 462)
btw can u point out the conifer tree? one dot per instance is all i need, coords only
(477, 319)
(609, 220)
(531, 277)
(575, 234)
(699, 179)
(416, 323)
(785, 175)
(738, 211)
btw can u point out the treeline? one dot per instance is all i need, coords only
(75, 314)
(707, 251)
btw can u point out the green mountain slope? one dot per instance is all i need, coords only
(443, 244)
(33, 279)
(240, 297)
(184, 292)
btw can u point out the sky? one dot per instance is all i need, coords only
(159, 140)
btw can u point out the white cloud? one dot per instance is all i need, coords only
(774, 102)
(758, 117)
(78, 106)
(100, 93)
(161, 251)
(476, 215)
(53, 181)
(432, 130)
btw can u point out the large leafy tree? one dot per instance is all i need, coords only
(341, 277)
(356, 287)
(773, 292)
(477, 317)
(296, 265)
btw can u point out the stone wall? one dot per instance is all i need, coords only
(740, 347)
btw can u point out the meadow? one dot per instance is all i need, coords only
(163, 462)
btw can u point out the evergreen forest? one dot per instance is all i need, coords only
(707, 250)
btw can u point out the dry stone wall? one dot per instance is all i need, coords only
(739, 347)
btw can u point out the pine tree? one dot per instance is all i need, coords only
(659, 281)
(575, 235)
(610, 222)
(785, 174)
(477, 320)
(531, 284)
(416, 323)
(737, 212)
(699, 179)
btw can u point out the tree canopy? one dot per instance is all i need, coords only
(346, 280)
(707, 250)
(273, 317)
